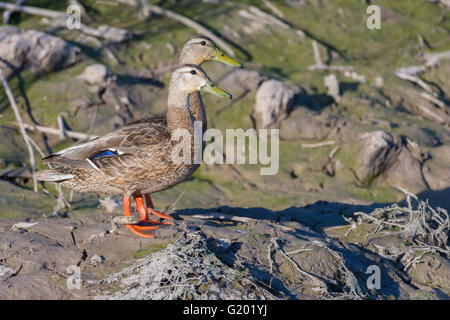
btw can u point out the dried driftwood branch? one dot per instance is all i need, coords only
(223, 216)
(412, 74)
(62, 128)
(445, 3)
(268, 17)
(7, 14)
(351, 288)
(30, 143)
(273, 8)
(426, 227)
(25, 136)
(433, 100)
(426, 104)
(187, 22)
(57, 132)
(317, 54)
(106, 32)
(434, 115)
(430, 60)
(351, 283)
(319, 284)
(32, 10)
(256, 14)
(62, 202)
(320, 66)
(59, 20)
(318, 145)
(409, 77)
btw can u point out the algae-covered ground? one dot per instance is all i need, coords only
(340, 28)
(409, 29)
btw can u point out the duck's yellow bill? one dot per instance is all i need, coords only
(211, 88)
(224, 59)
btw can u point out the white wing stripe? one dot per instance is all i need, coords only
(92, 165)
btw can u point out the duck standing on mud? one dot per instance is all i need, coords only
(135, 160)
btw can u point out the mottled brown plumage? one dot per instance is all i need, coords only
(136, 160)
(142, 162)
(197, 50)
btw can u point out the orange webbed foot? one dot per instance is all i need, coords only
(144, 223)
(136, 230)
(150, 209)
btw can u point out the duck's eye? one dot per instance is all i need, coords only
(203, 43)
(193, 71)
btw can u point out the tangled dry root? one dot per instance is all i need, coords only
(424, 227)
(186, 269)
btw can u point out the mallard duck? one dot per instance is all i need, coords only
(135, 160)
(198, 50)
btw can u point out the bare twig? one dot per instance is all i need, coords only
(53, 131)
(7, 14)
(432, 59)
(425, 226)
(223, 216)
(319, 284)
(352, 227)
(192, 24)
(17, 227)
(317, 54)
(318, 145)
(268, 17)
(320, 65)
(62, 202)
(273, 8)
(298, 251)
(62, 129)
(15, 273)
(32, 10)
(25, 136)
(445, 3)
(414, 79)
(351, 283)
(59, 20)
(333, 152)
(6, 246)
(433, 100)
(412, 71)
(256, 14)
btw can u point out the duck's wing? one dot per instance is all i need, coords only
(123, 142)
(156, 119)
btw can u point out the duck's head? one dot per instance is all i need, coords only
(189, 78)
(199, 49)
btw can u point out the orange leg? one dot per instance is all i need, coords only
(150, 209)
(136, 229)
(144, 213)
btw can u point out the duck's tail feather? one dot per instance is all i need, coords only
(52, 176)
(67, 162)
(48, 159)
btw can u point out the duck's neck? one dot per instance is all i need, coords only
(198, 109)
(179, 115)
(196, 104)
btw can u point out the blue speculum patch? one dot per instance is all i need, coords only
(101, 154)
